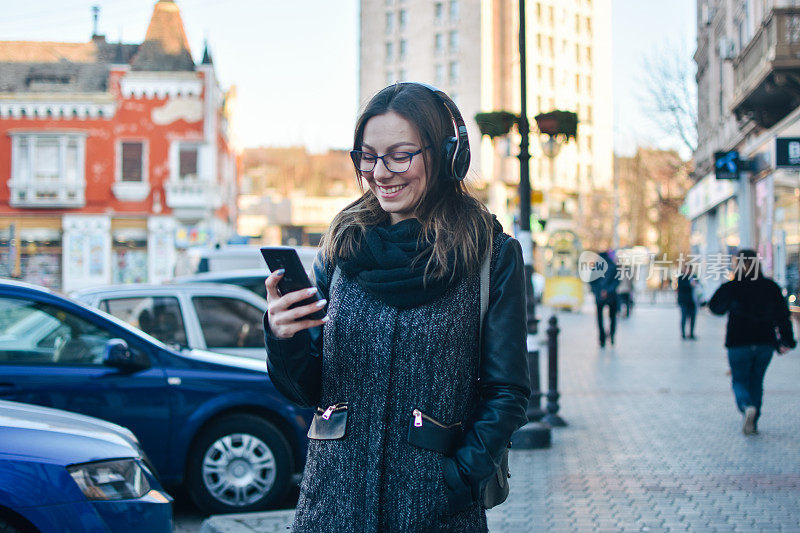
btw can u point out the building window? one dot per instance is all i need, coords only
(187, 162)
(439, 43)
(577, 23)
(389, 52)
(539, 42)
(589, 55)
(47, 169)
(453, 41)
(389, 21)
(132, 161)
(402, 19)
(454, 10)
(551, 75)
(538, 11)
(403, 49)
(588, 25)
(438, 11)
(552, 46)
(454, 72)
(577, 83)
(550, 15)
(539, 73)
(588, 84)
(577, 53)
(439, 74)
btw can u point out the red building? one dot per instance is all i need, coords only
(113, 157)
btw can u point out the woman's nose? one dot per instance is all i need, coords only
(380, 170)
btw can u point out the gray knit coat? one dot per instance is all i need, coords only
(385, 363)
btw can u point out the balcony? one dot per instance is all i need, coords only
(40, 193)
(767, 72)
(193, 195)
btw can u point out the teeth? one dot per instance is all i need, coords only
(391, 190)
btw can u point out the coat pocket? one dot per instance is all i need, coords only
(330, 423)
(430, 434)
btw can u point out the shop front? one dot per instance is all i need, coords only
(777, 228)
(31, 250)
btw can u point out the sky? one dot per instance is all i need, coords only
(295, 63)
(641, 28)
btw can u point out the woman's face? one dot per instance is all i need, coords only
(398, 193)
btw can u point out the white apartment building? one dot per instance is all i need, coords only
(469, 49)
(748, 75)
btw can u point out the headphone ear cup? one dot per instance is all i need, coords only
(461, 161)
(448, 157)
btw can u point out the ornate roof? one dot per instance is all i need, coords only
(165, 46)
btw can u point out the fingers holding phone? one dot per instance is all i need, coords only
(292, 301)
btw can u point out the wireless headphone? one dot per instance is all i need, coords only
(455, 150)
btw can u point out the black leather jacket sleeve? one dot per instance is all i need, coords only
(295, 364)
(504, 382)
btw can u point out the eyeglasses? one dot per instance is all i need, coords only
(395, 162)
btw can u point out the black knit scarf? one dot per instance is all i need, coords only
(390, 265)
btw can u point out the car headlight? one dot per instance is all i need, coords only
(123, 479)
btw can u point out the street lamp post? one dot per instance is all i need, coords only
(525, 237)
(533, 434)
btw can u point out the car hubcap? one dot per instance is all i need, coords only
(238, 469)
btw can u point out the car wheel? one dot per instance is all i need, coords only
(240, 463)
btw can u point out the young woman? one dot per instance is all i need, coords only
(756, 309)
(412, 414)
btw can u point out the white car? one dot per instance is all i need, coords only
(207, 316)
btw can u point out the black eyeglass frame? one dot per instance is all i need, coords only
(357, 153)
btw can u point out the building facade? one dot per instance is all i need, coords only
(470, 49)
(289, 196)
(113, 157)
(748, 75)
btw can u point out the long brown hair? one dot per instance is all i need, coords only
(451, 218)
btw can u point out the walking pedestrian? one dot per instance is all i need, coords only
(605, 294)
(756, 309)
(414, 406)
(687, 300)
(625, 290)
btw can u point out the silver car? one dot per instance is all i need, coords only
(216, 317)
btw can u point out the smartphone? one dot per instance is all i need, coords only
(294, 278)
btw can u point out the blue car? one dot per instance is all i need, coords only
(213, 423)
(71, 473)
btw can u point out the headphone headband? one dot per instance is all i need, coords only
(455, 152)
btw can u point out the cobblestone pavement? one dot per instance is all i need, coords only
(654, 441)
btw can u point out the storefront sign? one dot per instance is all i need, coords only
(726, 165)
(706, 194)
(787, 152)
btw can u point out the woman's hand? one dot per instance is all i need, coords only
(285, 322)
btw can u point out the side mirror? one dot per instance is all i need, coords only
(117, 354)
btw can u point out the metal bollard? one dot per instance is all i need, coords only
(552, 417)
(534, 434)
(534, 412)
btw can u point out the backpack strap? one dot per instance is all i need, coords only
(334, 277)
(485, 267)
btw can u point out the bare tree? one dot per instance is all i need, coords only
(670, 92)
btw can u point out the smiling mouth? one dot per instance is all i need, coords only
(391, 190)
